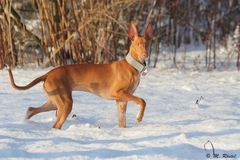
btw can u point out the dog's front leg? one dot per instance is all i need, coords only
(122, 96)
(121, 109)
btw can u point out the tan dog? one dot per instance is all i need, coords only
(115, 81)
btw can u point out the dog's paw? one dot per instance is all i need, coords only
(29, 113)
(139, 117)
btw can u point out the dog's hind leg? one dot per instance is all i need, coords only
(48, 106)
(63, 103)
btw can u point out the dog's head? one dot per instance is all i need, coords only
(139, 47)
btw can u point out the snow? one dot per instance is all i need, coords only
(174, 126)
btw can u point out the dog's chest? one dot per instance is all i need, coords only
(134, 83)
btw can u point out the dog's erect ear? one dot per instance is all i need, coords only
(132, 31)
(148, 33)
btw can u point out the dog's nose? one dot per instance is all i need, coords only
(145, 54)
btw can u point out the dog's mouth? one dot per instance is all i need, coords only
(142, 58)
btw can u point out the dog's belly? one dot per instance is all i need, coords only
(95, 89)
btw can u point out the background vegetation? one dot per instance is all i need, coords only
(57, 32)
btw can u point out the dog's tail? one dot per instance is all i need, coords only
(33, 83)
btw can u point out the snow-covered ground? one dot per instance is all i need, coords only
(174, 126)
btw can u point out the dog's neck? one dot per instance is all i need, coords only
(140, 67)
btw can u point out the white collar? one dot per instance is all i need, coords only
(134, 63)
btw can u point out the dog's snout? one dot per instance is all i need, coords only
(145, 54)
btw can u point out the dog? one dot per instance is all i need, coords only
(115, 81)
